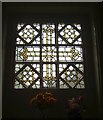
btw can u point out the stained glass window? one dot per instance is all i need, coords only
(49, 56)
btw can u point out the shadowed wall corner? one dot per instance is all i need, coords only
(0, 60)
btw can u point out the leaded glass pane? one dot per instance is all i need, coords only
(36, 67)
(36, 84)
(36, 40)
(72, 75)
(18, 67)
(27, 53)
(19, 26)
(19, 41)
(80, 67)
(49, 54)
(60, 26)
(62, 67)
(62, 85)
(42, 50)
(78, 41)
(17, 85)
(78, 26)
(27, 76)
(70, 54)
(69, 34)
(81, 84)
(48, 33)
(61, 41)
(36, 25)
(28, 33)
(49, 75)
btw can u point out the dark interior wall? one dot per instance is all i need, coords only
(97, 30)
(16, 102)
(0, 61)
(20, 107)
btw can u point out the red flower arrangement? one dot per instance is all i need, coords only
(75, 107)
(43, 100)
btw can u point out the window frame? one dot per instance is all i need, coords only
(15, 17)
(57, 62)
(48, 16)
